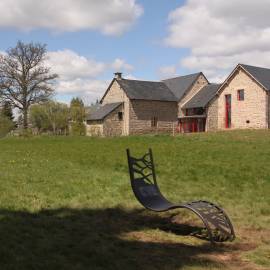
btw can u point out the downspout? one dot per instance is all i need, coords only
(268, 109)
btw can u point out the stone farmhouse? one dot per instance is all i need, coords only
(184, 104)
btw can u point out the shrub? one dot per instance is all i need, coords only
(6, 125)
(27, 133)
(78, 129)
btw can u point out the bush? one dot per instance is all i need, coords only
(78, 129)
(6, 125)
(27, 133)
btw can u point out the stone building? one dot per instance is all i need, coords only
(184, 104)
(134, 107)
(242, 101)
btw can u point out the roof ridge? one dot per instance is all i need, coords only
(192, 74)
(243, 65)
(133, 80)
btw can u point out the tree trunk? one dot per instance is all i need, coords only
(54, 129)
(25, 118)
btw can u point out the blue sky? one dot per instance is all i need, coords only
(145, 39)
(140, 46)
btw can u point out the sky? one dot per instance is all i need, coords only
(88, 40)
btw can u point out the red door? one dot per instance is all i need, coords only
(194, 125)
(228, 109)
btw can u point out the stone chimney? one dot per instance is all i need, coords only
(118, 75)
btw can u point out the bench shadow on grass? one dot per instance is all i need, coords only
(93, 239)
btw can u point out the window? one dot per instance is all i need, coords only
(240, 94)
(154, 121)
(120, 116)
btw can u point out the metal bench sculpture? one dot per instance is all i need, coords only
(218, 226)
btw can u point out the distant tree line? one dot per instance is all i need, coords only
(57, 118)
(27, 85)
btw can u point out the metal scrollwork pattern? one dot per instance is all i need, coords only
(217, 222)
(142, 169)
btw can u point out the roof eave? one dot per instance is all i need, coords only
(265, 88)
(192, 116)
(95, 119)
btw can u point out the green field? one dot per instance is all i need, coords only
(66, 202)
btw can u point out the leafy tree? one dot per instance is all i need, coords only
(39, 119)
(77, 113)
(58, 116)
(50, 116)
(24, 79)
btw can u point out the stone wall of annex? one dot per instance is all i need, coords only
(112, 126)
(142, 111)
(197, 86)
(116, 94)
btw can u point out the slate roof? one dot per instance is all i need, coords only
(92, 108)
(147, 90)
(180, 85)
(103, 111)
(262, 75)
(201, 99)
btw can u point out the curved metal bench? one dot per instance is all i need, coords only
(144, 185)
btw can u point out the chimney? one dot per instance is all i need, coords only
(118, 75)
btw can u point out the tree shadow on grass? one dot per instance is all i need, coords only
(92, 239)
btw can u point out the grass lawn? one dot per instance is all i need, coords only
(66, 202)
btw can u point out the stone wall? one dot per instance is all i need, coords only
(212, 116)
(142, 111)
(252, 112)
(116, 94)
(112, 126)
(197, 86)
(94, 128)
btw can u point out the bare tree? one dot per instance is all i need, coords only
(24, 78)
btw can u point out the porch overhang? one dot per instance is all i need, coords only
(192, 116)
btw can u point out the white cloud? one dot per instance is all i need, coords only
(130, 77)
(111, 17)
(80, 76)
(87, 87)
(167, 71)
(69, 64)
(221, 34)
(121, 65)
